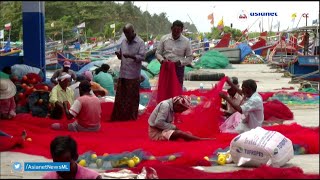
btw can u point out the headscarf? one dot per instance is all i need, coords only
(64, 76)
(88, 75)
(183, 100)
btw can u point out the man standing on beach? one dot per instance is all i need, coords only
(176, 48)
(127, 98)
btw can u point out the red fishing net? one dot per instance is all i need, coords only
(168, 84)
(276, 110)
(116, 137)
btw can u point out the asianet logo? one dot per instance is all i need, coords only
(263, 14)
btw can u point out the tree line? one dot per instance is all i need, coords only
(97, 15)
(61, 17)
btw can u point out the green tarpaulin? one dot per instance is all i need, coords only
(212, 60)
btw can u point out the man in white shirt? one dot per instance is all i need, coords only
(176, 48)
(251, 111)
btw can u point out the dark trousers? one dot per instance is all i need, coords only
(180, 74)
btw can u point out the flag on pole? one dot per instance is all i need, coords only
(220, 24)
(113, 26)
(7, 26)
(2, 34)
(82, 25)
(211, 18)
(114, 32)
(293, 16)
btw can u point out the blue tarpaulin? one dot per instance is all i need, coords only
(244, 50)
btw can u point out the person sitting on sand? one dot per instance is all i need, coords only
(235, 97)
(86, 109)
(104, 78)
(161, 125)
(96, 87)
(249, 115)
(7, 102)
(61, 95)
(75, 86)
(64, 149)
(65, 69)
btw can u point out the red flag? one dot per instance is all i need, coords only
(7, 26)
(210, 17)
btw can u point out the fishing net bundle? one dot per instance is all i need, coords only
(296, 98)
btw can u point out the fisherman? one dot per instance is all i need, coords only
(7, 102)
(66, 69)
(176, 48)
(131, 54)
(161, 120)
(234, 96)
(60, 96)
(104, 78)
(86, 109)
(249, 115)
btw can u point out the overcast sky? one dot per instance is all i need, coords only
(199, 11)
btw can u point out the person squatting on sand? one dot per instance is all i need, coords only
(161, 120)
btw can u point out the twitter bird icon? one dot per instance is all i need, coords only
(17, 166)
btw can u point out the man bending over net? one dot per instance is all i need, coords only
(161, 120)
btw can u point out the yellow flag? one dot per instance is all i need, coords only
(220, 24)
(114, 32)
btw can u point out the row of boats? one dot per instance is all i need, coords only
(282, 50)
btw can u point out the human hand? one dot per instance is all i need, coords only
(165, 60)
(223, 95)
(129, 56)
(178, 63)
(118, 54)
(228, 80)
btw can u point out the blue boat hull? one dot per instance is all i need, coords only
(305, 65)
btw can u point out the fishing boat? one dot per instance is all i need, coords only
(76, 64)
(12, 52)
(10, 49)
(306, 66)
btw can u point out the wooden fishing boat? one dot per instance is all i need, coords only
(76, 64)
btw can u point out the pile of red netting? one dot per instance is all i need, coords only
(116, 137)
